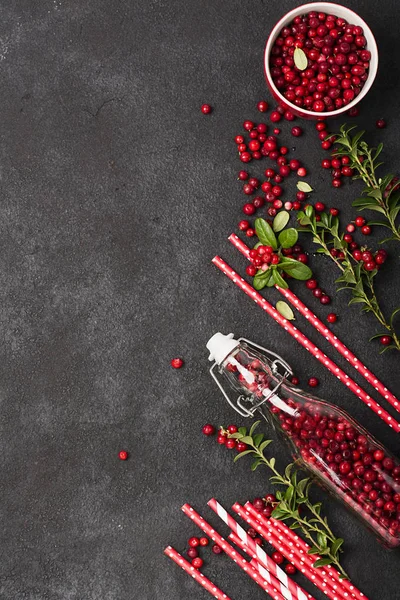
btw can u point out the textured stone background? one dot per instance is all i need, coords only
(115, 194)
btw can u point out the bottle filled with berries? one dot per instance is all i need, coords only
(346, 459)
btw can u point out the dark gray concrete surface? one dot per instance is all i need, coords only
(115, 194)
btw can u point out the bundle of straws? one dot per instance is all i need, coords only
(261, 568)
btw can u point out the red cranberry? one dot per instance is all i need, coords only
(275, 116)
(249, 209)
(177, 363)
(192, 553)
(277, 557)
(245, 157)
(258, 503)
(230, 443)
(381, 123)
(297, 131)
(243, 225)
(243, 175)
(208, 429)
(366, 230)
(123, 455)
(262, 106)
(197, 563)
(331, 318)
(194, 542)
(290, 569)
(313, 382)
(385, 340)
(241, 447)
(206, 109)
(216, 549)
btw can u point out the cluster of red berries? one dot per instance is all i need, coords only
(371, 261)
(340, 166)
(312, 284)
(223, 437)
(195, 544)
(337, 62)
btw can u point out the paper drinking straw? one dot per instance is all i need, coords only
(279, 578)
(296, 593)
(319, 579)
(195, 573)
(327, 333)
(304, 341)
(231, 552)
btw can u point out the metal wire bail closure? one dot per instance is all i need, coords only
(238, 404)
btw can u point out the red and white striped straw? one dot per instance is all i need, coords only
(195, 573)
(327, 333)
(257, 563)
(304, 341)
(231, 552)
(301, 544)
(318, 577)
(296, 543)
(263, 571)
(280, 580)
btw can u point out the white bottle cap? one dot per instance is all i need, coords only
(220, 346)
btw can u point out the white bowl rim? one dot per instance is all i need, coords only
(325, 7)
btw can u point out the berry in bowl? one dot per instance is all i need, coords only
(320, 60)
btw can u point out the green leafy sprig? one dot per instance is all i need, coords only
(286, 239)
(381, 195)
(293, 499)
(354, 277)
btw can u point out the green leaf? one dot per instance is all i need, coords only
(380, 223)
(322, 562)
(278, 513)
(289, 494)
(257, 439)
(261, 279)
(236, 436)
(317, 507)
(288, 237)
(322, 541)
(254, 427)
(242, 430)
(281, 220)
(356, 300)
(296, 269)
(303, 186)
(295, 526)
(374, 207)
(288, 470)
(278, 279)
(264, 445)
(247, 439)
(242, 454)
(284, 309)
(301, 485)
(272, 462)
(265, 234)
(336, 545)
(300, 59)
(392, 347)
(255, 464)
(313, 550)
(394, 313)
(376, 193)
(310, 212)
(394, 212)
(257, 245)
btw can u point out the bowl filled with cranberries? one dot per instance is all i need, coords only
(320, 60)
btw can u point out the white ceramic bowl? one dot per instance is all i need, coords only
(339, 11)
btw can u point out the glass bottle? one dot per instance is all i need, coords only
(341, 455)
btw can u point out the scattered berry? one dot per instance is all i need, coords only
(194, 542)
(277, 558)
(204, 541)
(177, 363)
(331, 318)
(381, 123)
(206, 109)
(297, 131)
(313, 382)
(295, 380)
(192, 553)
(216, 549)
(290, 569)
(123, 455)
(386, 340)
(208, 429)
(241, 447)
(197, 563)
(262, 106)
(366, 230)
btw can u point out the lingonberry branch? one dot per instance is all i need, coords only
(315, 529)
(382, 195)
(356, 275)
